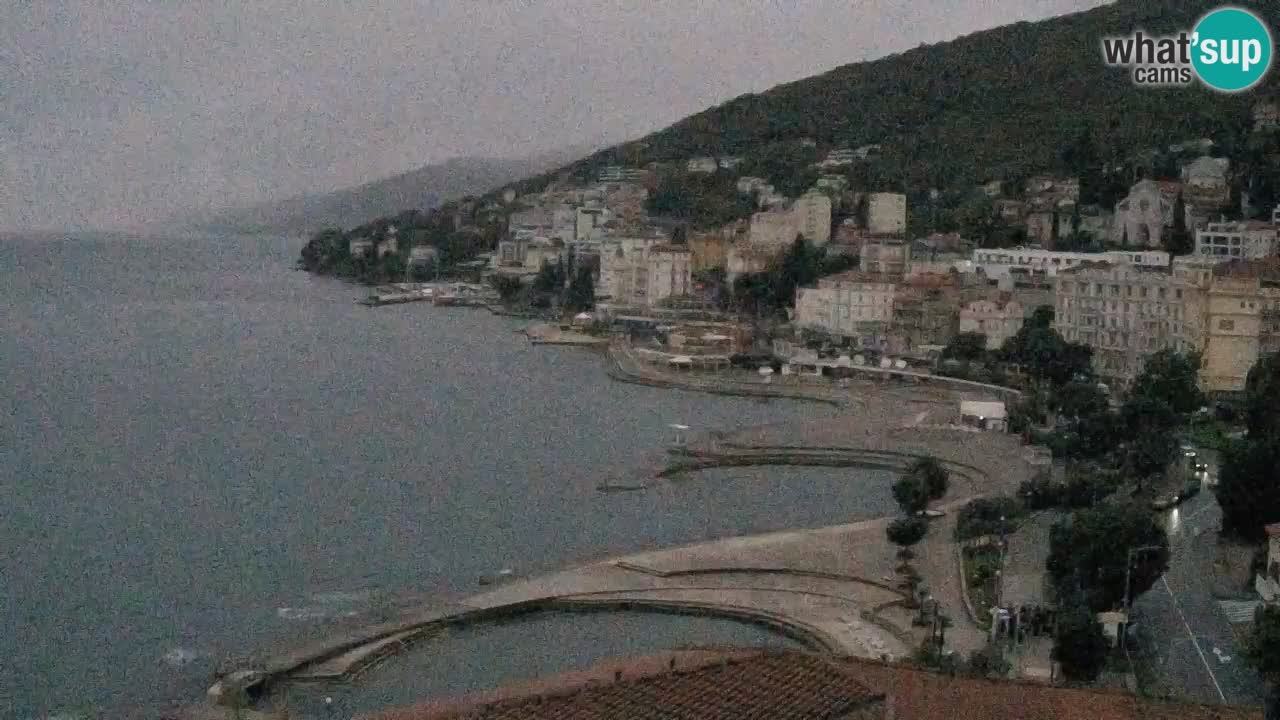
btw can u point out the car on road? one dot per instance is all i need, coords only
(1189, 490)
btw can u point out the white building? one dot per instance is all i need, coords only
(813, 217)
(886, 214)
(866, 151)
(1232, 240)
(670, 272)
(748, 184)
(589, 223)
(359, 247)
(984, 415)
(422, 255)
(851, 305)
(996, 319)
(701, 165)
(729, 162)
(1004, 263)
(838, 158)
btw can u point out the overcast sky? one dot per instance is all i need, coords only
(116, 112)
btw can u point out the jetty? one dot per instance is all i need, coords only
(447, 294)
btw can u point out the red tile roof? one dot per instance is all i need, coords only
(703, 686)
(791, 685)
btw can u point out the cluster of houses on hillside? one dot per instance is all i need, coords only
(912, 295)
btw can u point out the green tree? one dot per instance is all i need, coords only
(1248, 489)
(1089, 553)
(1263, 650)
(932, 475)
(550, 278)
(1172, 378)
(1178, 241)
(1262, 398)
(582, 291)
(911, 493)
(906, 532)
(966, 346)
(1079, 644)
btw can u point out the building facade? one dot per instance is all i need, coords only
(998, 319)
(1143, 216)
(1237, 240)
(1125, 313)
(670, 269)
(855, 306)
(886, 214)
(883, 255)
(1001, 264)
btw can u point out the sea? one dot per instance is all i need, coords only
(206, 454)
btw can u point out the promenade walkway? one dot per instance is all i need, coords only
(834, 588)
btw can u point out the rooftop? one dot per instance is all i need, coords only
(793, 685)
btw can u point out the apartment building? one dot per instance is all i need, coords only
(998, 318)
(1242, 323)
(1237, 240)
(1125, 313)
(854, 305)
(886, 255)
(670, 272)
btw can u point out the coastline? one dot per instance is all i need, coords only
(717, 577)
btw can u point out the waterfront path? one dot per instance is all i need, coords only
(833, 588)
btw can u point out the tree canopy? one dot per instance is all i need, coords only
(1079, 644)
(1088, 553)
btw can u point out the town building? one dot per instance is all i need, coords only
(812, 213)
(886, 214)
(710, 249)
(617, 173)
(1009, 264)
(984, 415)
(992, 188)
(748, 184)
(925, 312)
(422, 255)
(670, 272)
(866, 151)
(773, 229)
(624, 266)
(839, 158)
(855, 305)
(729, 162)
(1243, 321)
(998, 319)
(1125, 313)
(1205, 182)
(1142, 218)
(1234, 240)
(745, 257)
(359, 247)
(886, 255)
(701, 165)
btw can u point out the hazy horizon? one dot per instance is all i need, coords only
(116, 115)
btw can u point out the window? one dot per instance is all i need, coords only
(1225, 324)
(1179, 294)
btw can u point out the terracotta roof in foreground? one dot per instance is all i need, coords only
(703, 686)
(792, 685)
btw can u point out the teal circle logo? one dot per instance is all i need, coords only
(1231, 49)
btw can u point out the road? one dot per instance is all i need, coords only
(1184, 634)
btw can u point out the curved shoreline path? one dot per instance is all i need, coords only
(833, 588)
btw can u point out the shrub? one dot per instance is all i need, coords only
(982, 517)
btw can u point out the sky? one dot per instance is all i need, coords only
(115, 113)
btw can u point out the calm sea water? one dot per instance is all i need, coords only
(204, 452)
